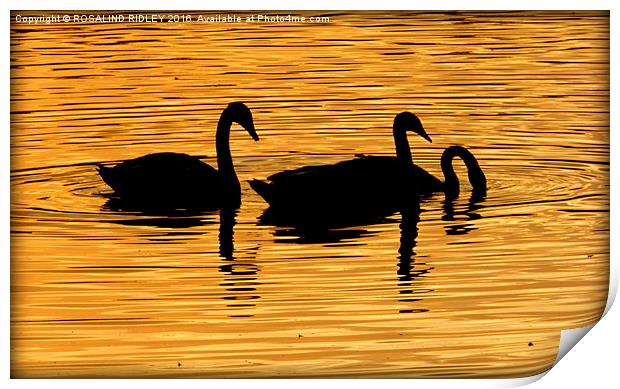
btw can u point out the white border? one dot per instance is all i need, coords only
(594, 357)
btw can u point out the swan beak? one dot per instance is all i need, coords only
(424, 135)
(252, 132)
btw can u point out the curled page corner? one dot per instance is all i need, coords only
(516, 382)
(569, 338)
(613, 286)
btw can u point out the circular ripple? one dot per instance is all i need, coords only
(76, 192)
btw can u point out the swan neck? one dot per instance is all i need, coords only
(224, 157)
(403, 152)
(451, 181)
(475, 175)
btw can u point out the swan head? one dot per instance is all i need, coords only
(406, 121)
(240, 113)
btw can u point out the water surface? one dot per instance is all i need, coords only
(471, 289)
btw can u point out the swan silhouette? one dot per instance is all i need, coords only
(361, 184)
(476, 177)
(180, 180)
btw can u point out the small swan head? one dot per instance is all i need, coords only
(406, 121)
(241, 114)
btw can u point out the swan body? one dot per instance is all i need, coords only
(180, 180)
(361, 184)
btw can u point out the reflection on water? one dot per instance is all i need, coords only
(462, 213)
(240, 277)
(323, 226)
(226, 235)
(458, 287)
(408, 270)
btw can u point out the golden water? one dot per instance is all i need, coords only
(483, 289)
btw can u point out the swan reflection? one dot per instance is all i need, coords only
(465, 213)
(239, 276)
(408, 269)
(333, 229)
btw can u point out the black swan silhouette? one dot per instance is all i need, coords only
(180, 180)
(476, 177)
(356, 185)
